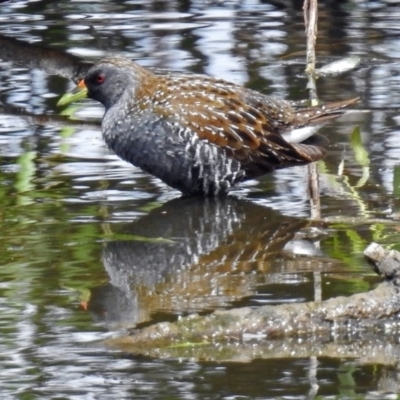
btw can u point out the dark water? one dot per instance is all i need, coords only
(91, 246)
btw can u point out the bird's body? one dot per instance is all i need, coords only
(199, 134)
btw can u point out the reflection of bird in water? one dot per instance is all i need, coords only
(199, 134)
(192, 255)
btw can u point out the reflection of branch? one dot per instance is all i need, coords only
(371, 311)
(314, 192)
(375, 349)
(41, 119)
(52, 61)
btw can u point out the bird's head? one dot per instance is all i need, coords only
(106, 81)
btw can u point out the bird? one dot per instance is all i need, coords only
(199, 134)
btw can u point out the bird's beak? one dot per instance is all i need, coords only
(78, 92)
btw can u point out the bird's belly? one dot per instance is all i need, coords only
(175, 155)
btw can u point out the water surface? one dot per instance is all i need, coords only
(91, 246)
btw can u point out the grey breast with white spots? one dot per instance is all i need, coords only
(169, 151)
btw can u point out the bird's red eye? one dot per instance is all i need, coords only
(100, 78)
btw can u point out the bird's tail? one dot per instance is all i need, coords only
(323, 113)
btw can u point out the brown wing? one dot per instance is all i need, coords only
(245, 123)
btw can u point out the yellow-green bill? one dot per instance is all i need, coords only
(77, 93)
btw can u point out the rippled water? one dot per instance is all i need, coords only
(91, 246)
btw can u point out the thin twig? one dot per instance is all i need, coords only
(310, 9)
